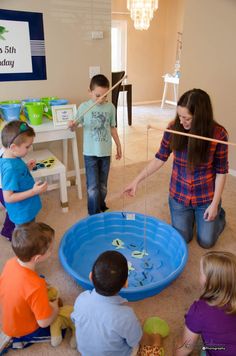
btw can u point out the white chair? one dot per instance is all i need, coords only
(51, 169)
(170, 79)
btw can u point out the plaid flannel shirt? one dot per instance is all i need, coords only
(195, 187)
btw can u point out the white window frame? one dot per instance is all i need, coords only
(119, 49)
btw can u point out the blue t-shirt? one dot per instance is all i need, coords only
(97, 124)
(216, 327)
(105, 327)
(16, 177)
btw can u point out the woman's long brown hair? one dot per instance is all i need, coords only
(199, 105)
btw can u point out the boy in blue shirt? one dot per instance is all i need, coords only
(98, 131)
(20, 192)
(8, 226)
(104, 326)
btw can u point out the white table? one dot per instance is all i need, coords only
(47, 132)
(170, 79)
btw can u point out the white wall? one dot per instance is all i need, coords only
(208, 58)
(69, 49)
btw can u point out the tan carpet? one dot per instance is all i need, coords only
(173, 302)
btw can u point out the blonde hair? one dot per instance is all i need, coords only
(219, 268)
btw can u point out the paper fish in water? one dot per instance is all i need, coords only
(139, 254)
(118, 243)
(147, 264)
(130, 266)
(141, 279)
(134, 246)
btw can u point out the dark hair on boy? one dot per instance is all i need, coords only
(31, 239)
(16, 132)
(109, 273)
(99, 80)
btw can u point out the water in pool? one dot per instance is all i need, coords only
(147, 266)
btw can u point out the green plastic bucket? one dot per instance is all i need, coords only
(47, 108)
(28, 100)
(35, 112)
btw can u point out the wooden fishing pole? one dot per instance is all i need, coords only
(191, 135)
(100, 98)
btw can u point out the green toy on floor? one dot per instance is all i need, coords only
(154, 331)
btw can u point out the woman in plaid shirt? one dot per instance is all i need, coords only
(199, 169)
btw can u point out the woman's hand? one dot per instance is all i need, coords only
(211, 212)
(130, 190)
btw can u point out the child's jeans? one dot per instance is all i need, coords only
(39, 335)
(8, 225)
(97, 170)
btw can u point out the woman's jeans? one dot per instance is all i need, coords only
(184, 217)
(97, 170)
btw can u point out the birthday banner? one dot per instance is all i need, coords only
(22, 47)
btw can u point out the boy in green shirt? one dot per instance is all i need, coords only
(98, 131)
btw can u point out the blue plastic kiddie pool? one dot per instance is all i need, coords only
(155, 251)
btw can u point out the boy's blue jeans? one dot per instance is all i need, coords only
(97, 170)
(184, 217)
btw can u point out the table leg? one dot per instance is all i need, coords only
(164, 95)
(129, 105)
(63, 192)
(65, 153)
(175, 93)
(76, 165)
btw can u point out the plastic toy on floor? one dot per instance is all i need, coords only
(63, 320)
(154, 330)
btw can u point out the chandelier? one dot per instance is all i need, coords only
(141, 12)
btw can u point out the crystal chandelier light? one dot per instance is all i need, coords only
(141, 12)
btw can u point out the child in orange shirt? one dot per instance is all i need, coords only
(26, 312)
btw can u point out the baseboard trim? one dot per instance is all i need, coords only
(232, 172)
(72, 172)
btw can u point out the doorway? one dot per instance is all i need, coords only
(119, 45)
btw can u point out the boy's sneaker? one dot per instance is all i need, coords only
(4, 342)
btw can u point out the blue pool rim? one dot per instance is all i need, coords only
(130, 293)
